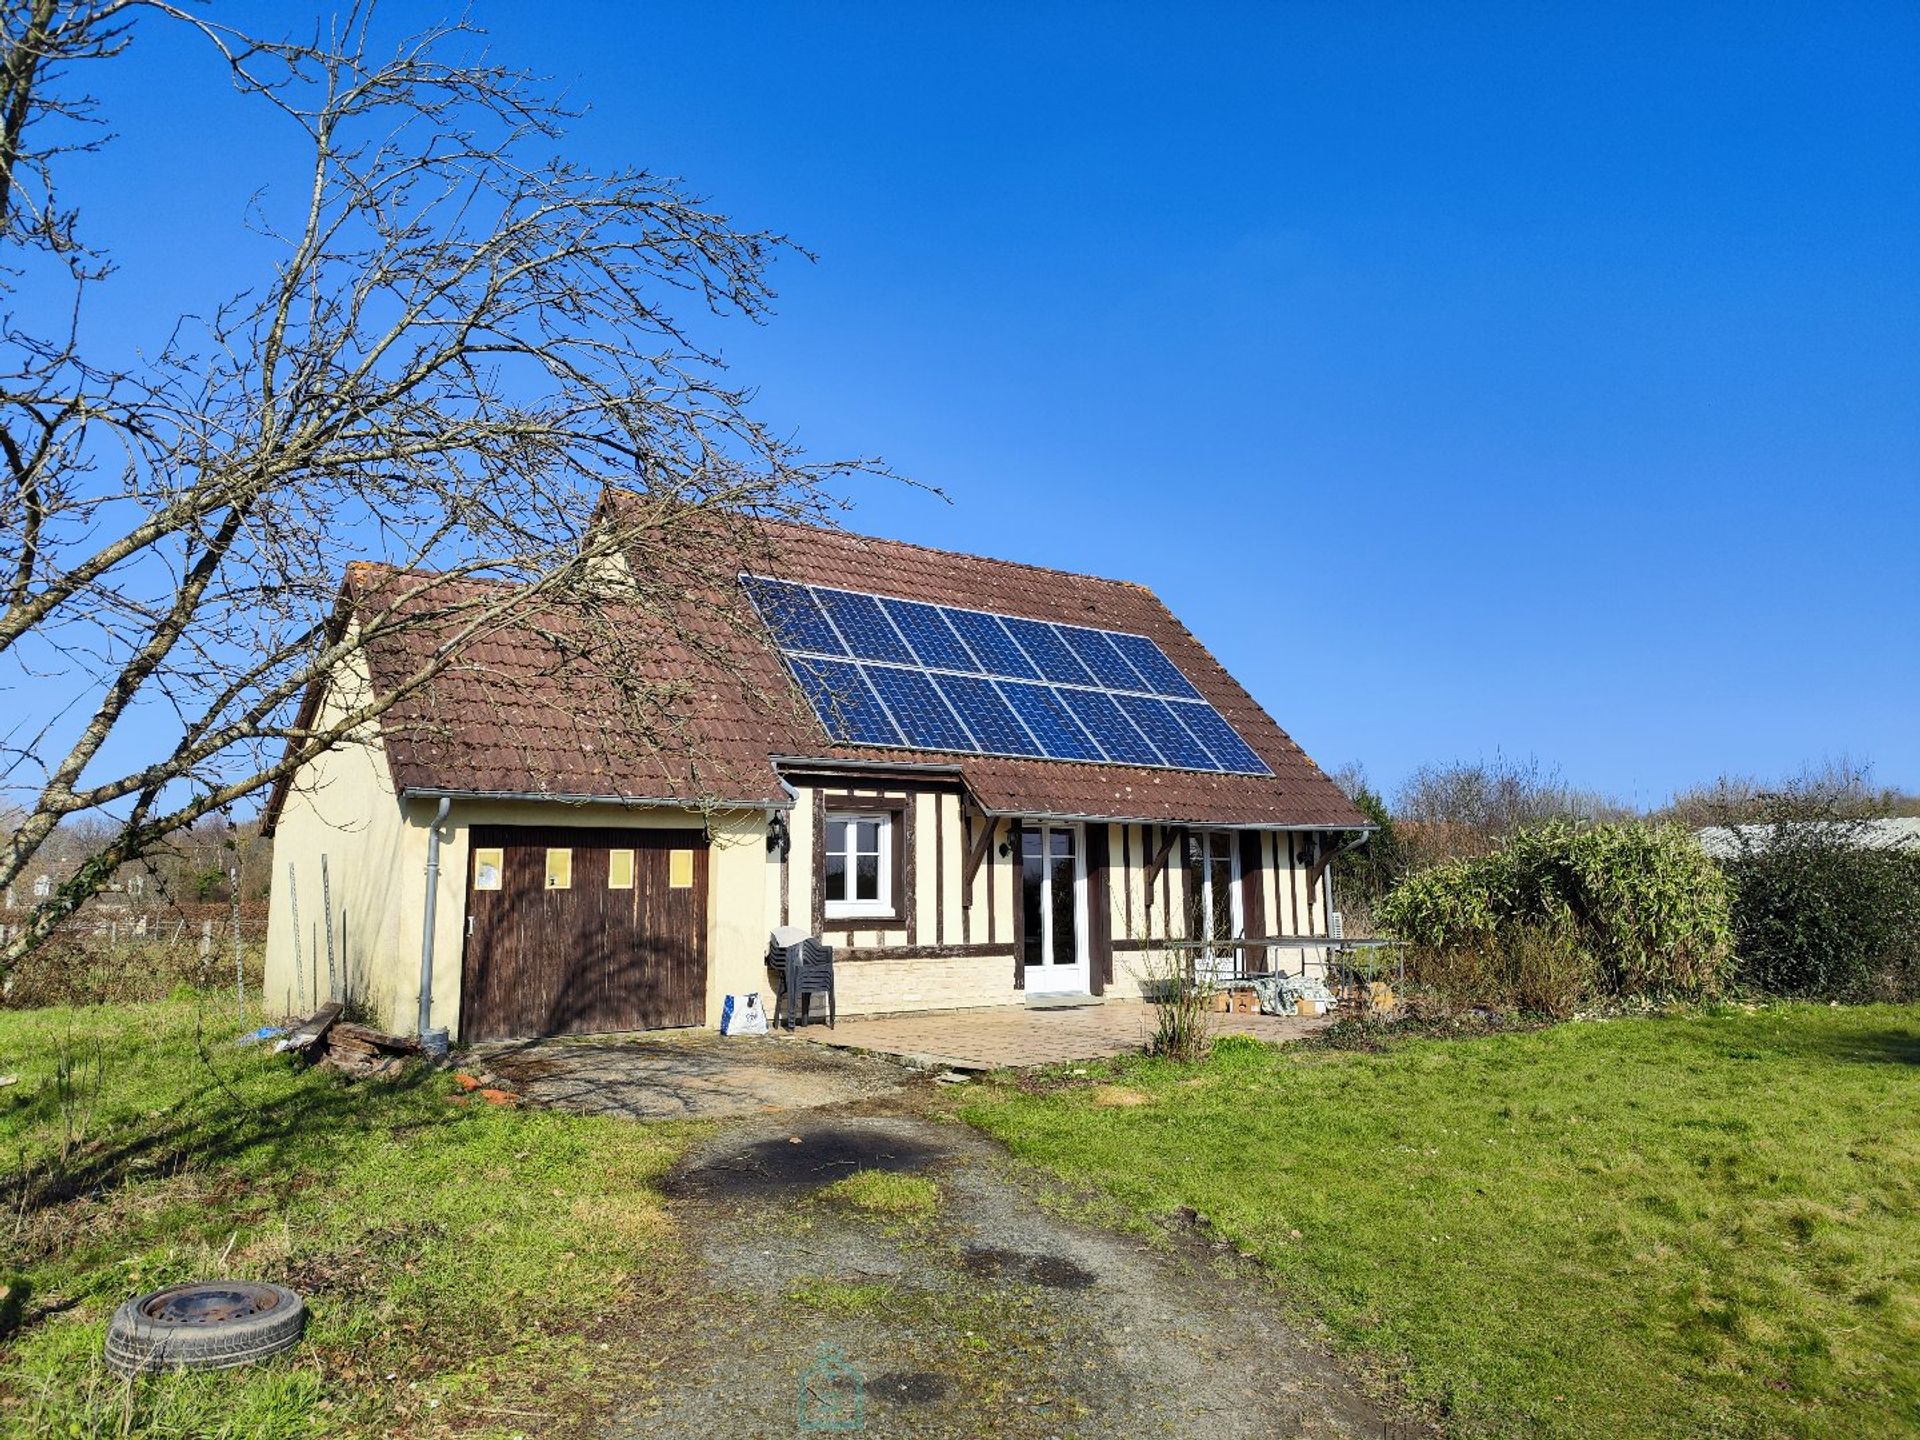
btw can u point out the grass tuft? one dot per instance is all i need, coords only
(885, 1192)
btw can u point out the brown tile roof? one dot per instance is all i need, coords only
(554, 702)
(531, 709)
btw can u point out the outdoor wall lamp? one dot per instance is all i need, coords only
(779, 838)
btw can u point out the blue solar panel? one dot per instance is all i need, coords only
(1047, 650)
(987, 714)
(991, 645)
(1212, 731)
(1168, 735)
(1101, 718)
(1096, 652)
(932, 638)
(794, 616)
(863, 625)
(923, 717)
(844, 701)
(964, 680)
(1163, 677)
(1049, 721)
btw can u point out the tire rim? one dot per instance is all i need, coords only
(216, 1304)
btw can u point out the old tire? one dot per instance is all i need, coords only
(212, 1325)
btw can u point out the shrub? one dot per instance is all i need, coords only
(1817, 914)
(1182, 1005)
(1538, 967)
(1563, 909)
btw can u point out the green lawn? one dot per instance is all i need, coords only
(466, 1266)
(1696, 1226)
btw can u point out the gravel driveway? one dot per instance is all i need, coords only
(680, 1075)
(990, 1315)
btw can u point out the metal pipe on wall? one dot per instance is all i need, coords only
(432, 1040)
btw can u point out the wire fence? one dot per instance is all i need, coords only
(110, 953)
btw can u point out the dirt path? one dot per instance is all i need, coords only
(992, 1315)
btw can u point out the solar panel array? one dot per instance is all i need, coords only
(884, 671)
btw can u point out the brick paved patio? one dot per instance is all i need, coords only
(1017, 1036)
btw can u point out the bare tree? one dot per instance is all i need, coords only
(463, 342)
(1832, 790)
(1469, 807)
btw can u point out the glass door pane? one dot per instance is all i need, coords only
(1033, 884)
(1065, 898)
(1220, 885)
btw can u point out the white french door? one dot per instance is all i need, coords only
(1213, 901)
(1053, 898)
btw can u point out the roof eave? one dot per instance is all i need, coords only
(630, 802)
(1320, 826)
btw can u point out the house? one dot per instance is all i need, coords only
(980, 781)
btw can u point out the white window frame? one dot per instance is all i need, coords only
(849, 909)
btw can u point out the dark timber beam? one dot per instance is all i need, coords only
(983, 826)
(1157, 859)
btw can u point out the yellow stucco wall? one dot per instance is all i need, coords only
(341, 807)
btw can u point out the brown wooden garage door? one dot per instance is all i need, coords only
(566, 946)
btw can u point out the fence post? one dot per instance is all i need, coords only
(233, 907)
(299, 965)
(326, 909)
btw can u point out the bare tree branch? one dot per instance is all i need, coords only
(464, 340)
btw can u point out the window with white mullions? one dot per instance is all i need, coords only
(857, 874)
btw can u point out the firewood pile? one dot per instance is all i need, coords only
(354, 1050)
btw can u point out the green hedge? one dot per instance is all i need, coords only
(1818, 915)
(1643, 902)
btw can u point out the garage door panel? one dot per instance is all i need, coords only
(586, 958)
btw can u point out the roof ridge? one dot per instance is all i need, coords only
(963, 554)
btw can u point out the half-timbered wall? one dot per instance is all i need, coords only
(954, 944)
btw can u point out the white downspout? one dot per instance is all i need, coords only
(433, 1041)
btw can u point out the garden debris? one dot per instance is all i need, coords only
(6, 1080)
(265, 1032)
(354, 1050)
(1293, 995)
(466, 1081)
(1236, 1000)
(360, 1052)
(311, 1031)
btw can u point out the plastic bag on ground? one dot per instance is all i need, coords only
(742, 1015)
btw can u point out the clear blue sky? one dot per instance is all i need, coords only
(1542, 378)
